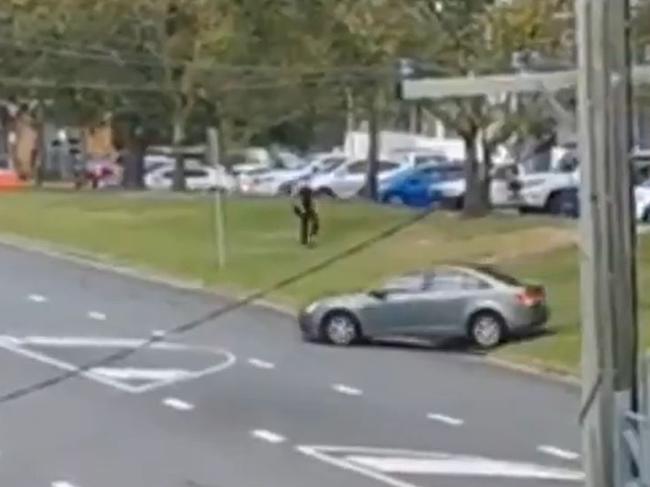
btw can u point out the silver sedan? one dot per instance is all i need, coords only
(477, 302)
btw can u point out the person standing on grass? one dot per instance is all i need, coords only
(305, 209)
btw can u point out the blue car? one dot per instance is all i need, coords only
(413, 186)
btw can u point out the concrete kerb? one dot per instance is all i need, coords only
(108, 264)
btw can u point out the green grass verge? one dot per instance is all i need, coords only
(176, 236)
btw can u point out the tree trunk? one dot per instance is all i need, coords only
(39, 153)
(476, 201)
(370, 189)
(350, 116)
(178, 183)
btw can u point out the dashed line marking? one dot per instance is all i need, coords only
(558, 452)
(442, 418)
(347, 390)
(96, 315)
(261, 364)
(61, 483)
(268, 436)
(178, 404)
(37, 298)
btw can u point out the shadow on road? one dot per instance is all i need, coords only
(449, 345)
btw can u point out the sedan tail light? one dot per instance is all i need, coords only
(531, 296)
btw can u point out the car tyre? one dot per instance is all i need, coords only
(646, 215)
(395, 200)
(340, 328)
(554, 205)
(487, 329)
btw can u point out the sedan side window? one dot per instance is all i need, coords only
(358, 167)
(448, 281)
(405, 284)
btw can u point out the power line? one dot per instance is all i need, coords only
(114, 56)
(215, 314)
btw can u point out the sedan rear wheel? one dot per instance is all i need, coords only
(487, 330)
(340, 329)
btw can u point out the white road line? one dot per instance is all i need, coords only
(269, 436)
(558, 452)
(347, 390)
(124, 373)
(96, 315)
(93, 342)
(61, 483)
(449, 420)
(261, 364)
(179, 404)
(37, 298)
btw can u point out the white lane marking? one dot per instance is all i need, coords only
(158, 333)
(96, 315)
(558, 452)
(347, 390)
(442, 418)
(261, 364)
(266, 435)
(179, 404)
(377, 463)
(44, 341)
(126, 373)
(61, 483)
(37, 298)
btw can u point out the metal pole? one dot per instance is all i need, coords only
(608, 279)
(220, 227)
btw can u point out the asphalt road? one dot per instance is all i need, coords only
(242, 402)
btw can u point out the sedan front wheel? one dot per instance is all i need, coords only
(340, 329)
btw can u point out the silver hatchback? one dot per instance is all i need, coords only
(477, 302)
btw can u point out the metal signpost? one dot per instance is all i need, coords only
(219, 210)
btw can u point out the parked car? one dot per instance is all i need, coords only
(477, 302)
(196, 178)
(347, 180)
(412, 186)
(272, 182)
(418, 156)
(452, 190)
(571, 202)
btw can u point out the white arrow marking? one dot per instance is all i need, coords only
(179, 404)
(37, 298)
(446, 419)
(269, 436)
(261, 364)
(347, 390)
(558, 452)
(140, 374)
(465, 466)
(96, 315)
(376, 463)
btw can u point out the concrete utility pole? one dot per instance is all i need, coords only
(608, 274)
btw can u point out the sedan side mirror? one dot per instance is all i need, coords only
(378, 293)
